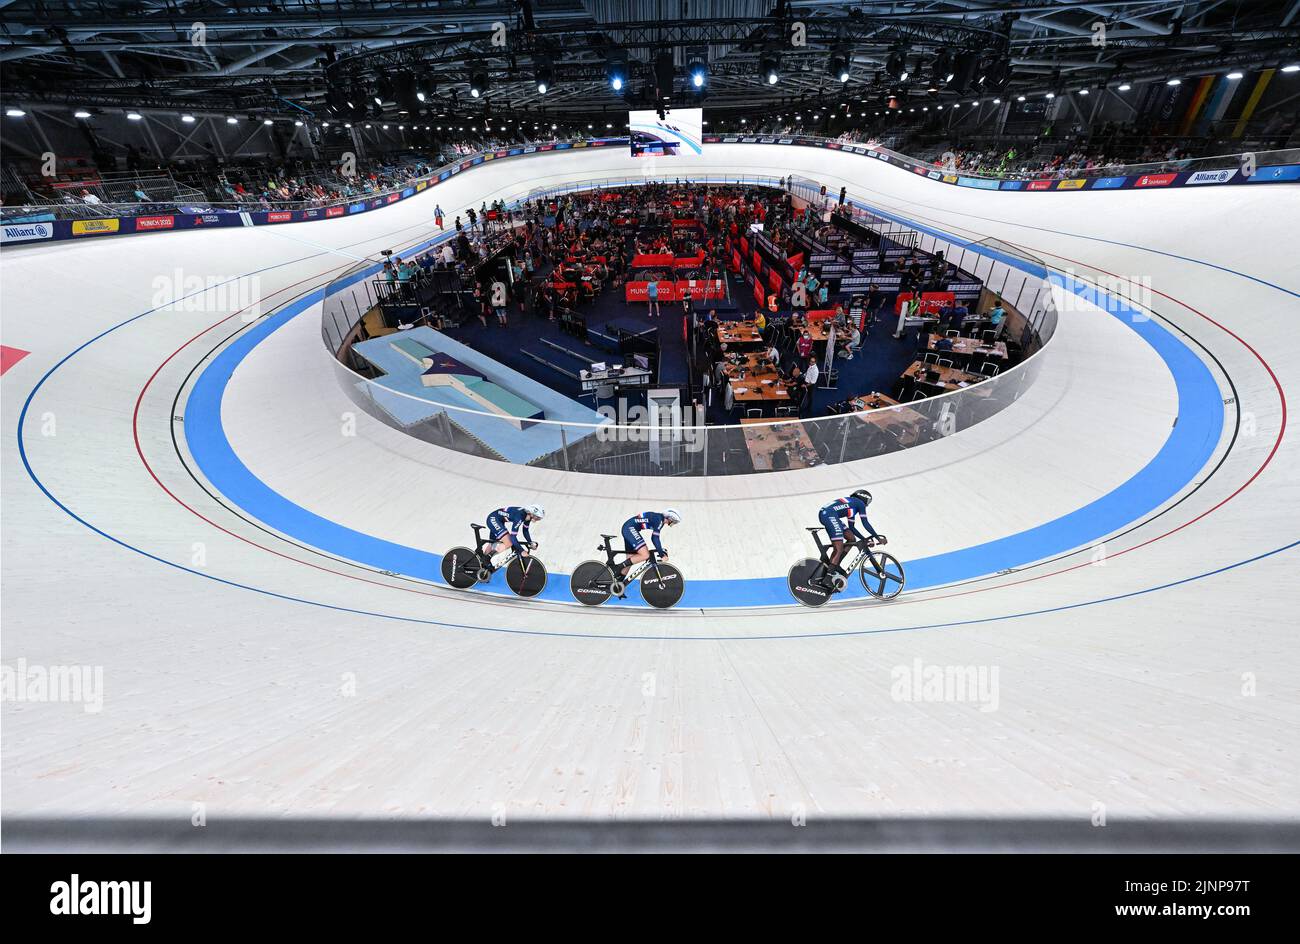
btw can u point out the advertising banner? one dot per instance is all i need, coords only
(95, 227)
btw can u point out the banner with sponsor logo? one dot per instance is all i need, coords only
(146, 223)
(1272, 174)
(1109, 183)
(1210, 177)
(1076, 184)
(1155, 180)
(26, 232)
(95, 227)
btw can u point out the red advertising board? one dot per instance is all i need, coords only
(774, 281)
(335, 211)
(796, 261)
(758, 261)
(1040, 184)
(154, 222)
(279, 217)
(758, 292)
(931, 302)
(653, 260)
(1155, 180)
(670, 291)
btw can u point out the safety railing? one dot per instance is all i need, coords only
(1248, 163)
(667, 437)
(77, 209)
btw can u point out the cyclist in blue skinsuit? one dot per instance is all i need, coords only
(505, 525)
(653, 522)
(851, 510)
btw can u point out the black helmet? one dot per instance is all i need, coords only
(864, 495)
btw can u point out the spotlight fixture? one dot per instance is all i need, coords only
(896, 64)
(134, 116)
(941, 69)
(840, 62)
(188, 119)
(15, 112)
(697, 67)
(545, 74)
(769, 67)
(1174, 82)
(616, 68)
(1291, 68)
(81, 113)
(1234, 75)
(1124, 87)
(478, 82)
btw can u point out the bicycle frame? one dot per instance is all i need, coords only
(635, 571)
(857, 551)
(509, 555)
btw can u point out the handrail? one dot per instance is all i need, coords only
(1216, 162)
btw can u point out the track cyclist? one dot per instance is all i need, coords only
(505, 525)
(652, 521)
(840, 519)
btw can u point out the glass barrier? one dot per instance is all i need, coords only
(669, 441)
(384, 377)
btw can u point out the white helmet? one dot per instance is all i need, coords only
(537, 511)
(673, 515)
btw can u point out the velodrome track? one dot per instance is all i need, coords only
(1119, 545)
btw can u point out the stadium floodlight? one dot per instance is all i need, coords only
(545, 74)
(697, 67)
(616, 69)
(896, 64)
(840, 62)
(769, 68)
(478, 82)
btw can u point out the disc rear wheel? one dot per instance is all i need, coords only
(802, 586)
(459, 566)
(590, 583)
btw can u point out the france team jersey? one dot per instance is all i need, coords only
(834, 515)
(512, 519)
(650, 521)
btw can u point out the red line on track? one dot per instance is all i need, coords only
(135, 433)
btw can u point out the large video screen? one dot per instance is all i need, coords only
(679, 134)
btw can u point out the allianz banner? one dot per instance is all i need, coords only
(26, 232)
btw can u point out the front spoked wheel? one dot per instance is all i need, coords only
(459, 566)
(885, 578)
(526, 576)
(590, 583)
(662, 585)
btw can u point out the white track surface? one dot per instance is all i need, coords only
(473, 704)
